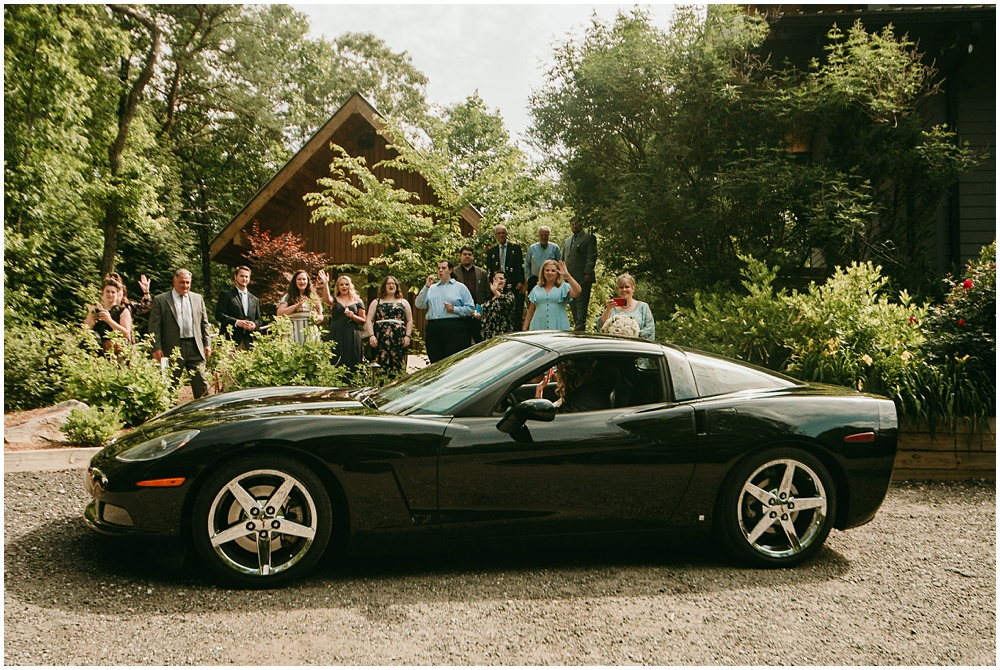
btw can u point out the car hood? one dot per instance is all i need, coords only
(217, 410)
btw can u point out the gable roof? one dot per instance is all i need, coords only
(315, 148)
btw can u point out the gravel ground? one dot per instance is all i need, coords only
(917, 586)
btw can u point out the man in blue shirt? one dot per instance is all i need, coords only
(538, 253)
(448, 304)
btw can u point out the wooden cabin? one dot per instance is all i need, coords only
(279, 207)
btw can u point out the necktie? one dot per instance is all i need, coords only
(246, 306)
(186, 317)
(503, 257)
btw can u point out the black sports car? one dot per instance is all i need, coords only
(643, 437)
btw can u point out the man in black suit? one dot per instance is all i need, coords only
(178, 320)
(239, 310)
(580, 253)
(508, 257)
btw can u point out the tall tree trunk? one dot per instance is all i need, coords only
(126, 114)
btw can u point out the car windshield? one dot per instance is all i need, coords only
(439, 388)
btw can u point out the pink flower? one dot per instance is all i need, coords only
(967, 284)
(961, 322)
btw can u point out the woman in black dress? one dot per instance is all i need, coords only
(498, 311)
(390, 323)
(110, 316)
(346, 313)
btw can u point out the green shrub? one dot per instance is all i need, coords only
(963, 327)
(848, 332)
(750, 326)
(131, 381)
(276, 360)
(31, 362)
(92, 427)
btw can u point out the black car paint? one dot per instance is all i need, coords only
(399, 477)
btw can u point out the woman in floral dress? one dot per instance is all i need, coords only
(301, 305)
(627, 305)
(389, 325)
(549, 298)
(498, 311)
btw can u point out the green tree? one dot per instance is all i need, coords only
(679, 147)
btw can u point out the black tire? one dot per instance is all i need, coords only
(248, 539)
(776, 508)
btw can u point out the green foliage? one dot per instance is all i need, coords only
(963, 327)
(414, 235)
(849, 332)
(690, 141)
(92, 427)
(131, 382)
(236, 89)
(751, 325)
(32, 361)
(276, 360)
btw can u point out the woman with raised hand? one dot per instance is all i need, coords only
(549, 297)
(347, 312)
(389, 325)
(498, 311)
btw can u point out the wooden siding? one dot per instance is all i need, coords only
(976, 124)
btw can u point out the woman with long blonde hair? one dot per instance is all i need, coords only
(548, 300)
(347, 313)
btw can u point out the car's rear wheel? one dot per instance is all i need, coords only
(262, 521)
(777, 508)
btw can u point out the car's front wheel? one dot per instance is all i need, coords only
(261, 521)
(777, 508)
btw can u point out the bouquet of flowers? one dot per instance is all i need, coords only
(622, 325)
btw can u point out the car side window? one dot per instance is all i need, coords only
(605, 382)
(717, 376)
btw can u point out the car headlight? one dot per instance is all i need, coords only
(157, 447)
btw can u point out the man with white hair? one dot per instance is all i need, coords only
(538, 253)
(507, 256)
(178, 320)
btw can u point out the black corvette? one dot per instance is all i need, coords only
(262, 482)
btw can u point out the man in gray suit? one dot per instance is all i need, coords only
(580, 255)
(178, 319)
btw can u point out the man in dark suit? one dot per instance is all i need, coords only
(239, 310)
(178, 320)
(477, 281)
(580, 254)
(508, 257)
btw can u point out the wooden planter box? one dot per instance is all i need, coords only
(968, 453)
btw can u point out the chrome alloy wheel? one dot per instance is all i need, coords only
(262, 522)
(782, 508)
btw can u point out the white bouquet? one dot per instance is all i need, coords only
(622, 325)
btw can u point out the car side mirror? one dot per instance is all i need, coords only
(534, 409)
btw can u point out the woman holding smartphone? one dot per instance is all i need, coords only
(627, 305)
(110, 315)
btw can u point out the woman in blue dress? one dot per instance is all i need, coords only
(548, 300)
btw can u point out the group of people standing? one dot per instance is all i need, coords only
(464, 304)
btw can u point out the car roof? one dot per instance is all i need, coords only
(570, 342)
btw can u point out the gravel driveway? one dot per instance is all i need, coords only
(916, 587)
